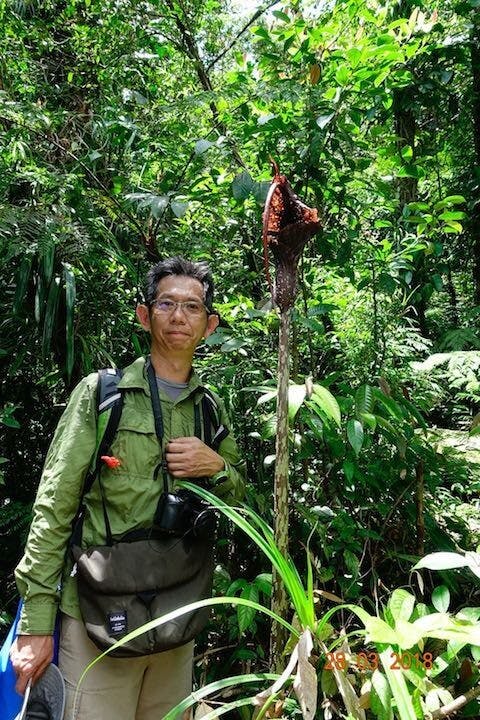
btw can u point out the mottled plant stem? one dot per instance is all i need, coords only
(280, 505)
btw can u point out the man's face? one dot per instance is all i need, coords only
(177, 331)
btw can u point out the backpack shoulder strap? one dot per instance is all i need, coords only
(109, 412)
(214, 431)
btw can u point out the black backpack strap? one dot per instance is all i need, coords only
(109, 399)
(214, 431)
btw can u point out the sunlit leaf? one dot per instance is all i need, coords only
(355, 435)
(326, 401)
(441, 598)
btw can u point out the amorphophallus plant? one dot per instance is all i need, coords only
(288, 224)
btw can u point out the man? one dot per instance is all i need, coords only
(178, 315)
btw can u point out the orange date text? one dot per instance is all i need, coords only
(371, 661)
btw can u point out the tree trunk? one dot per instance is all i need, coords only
(420, 475)
(475, 227)
(280, 493)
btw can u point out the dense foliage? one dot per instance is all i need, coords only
(131, 131)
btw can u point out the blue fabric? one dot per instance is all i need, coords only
(11, 701)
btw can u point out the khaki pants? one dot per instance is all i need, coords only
(139, 688)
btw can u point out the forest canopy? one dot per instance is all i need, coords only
(134, 131)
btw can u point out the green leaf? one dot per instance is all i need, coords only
(401, 604)
(381, 696)
(342, 75)
(441, 598)
(158, 205)
(245, 613)
(442, 561)
(179, 208)
(296, 396)
(242, 185)
(326, 402)
(23, 276)
(232, 344)
(355, 435)
(260, 191)
(398, 686)
(379, 632)
(47, 261)
(202, 146)
(214, 687)
(281, 16)
(363, 400)
(323, 120)
(50, 315)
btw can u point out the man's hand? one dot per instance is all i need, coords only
(30, 656)
(189, 457)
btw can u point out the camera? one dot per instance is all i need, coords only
(183, 512)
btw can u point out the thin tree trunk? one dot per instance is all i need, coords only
(420, 474)
(280, 499)
(475, 227)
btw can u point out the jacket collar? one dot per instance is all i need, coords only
(135, 378)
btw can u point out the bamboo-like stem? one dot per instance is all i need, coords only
(280, 494)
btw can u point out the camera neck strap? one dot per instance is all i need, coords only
(158, 420)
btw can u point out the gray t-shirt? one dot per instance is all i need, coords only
(172, 389)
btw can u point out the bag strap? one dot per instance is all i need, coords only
(109, 411)
(211, 421)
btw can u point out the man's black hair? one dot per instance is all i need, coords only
(179, 266)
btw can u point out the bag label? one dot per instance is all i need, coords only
(117, 622)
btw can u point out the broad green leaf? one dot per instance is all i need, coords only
(242, 185)
(202, 146)
(323, 120)
(342, 75)
(264, 583)
(281, 16)
(355, 435)
(401, 604)
(245, 613)
(158, 205)
(363, 400)
(441, 598)
(379, 632)
(354, 56)
(260, 191)
(381, 696)
(444, 627)
(296, 396)
(326, 401)
(232, 344)
(408, 634)
(179, 208)
(442, 561)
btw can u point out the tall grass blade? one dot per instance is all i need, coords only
(213, 687)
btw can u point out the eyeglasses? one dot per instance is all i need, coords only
(192, 308)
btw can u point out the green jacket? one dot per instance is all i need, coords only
(44, 574)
